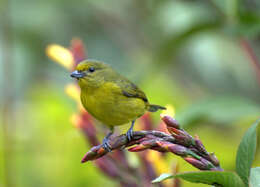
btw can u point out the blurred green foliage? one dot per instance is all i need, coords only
(187, 53)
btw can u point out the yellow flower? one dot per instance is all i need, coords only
(73, 91)
(60, 55)
(159, 163)
(75, 120)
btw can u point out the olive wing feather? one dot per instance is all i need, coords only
(129, 89)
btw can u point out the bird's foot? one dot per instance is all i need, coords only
(129, 134)
(106, 145)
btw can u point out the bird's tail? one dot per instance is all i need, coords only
(154, 108)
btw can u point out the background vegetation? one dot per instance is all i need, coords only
(199, 56)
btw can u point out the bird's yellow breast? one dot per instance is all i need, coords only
(108, 104)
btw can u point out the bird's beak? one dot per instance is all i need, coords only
(76, 74)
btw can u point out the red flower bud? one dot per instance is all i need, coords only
(199, 145)
(197, 163)
(78, 50)
(170, 122)
(174, 148)
(214, 159)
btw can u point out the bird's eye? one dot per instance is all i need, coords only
(91, 69)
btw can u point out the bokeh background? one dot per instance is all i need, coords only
(202, 57)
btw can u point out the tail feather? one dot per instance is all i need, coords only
(154, 108)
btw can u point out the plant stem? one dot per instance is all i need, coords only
(252, 57)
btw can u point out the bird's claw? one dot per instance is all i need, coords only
(129, 135)
(106, 145)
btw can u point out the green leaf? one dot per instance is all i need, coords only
(255, 177)
(163, 177)
(246, 152)
(222, 178)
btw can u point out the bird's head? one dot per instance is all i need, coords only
(91, 73)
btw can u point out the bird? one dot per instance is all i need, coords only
(110, 97)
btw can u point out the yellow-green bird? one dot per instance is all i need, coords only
(109, 97)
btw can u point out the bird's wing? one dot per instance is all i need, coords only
(129, 89)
